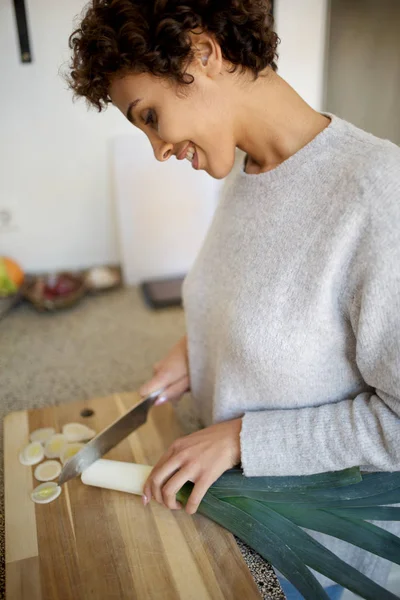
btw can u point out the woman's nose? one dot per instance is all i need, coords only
(163, 152)
(167, 154)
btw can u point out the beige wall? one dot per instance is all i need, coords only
(363, 65)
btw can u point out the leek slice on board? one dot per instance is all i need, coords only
(48, 470)
(55, 446)
(32, 454)
(46, 492)
(70, 450)
(77, 432)
(42, 435)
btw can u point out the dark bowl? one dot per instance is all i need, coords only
(35, 293)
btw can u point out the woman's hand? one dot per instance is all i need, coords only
(200, 457)
(170, 373)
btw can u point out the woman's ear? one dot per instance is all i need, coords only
(208, 55)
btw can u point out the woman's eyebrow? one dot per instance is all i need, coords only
(129, 115)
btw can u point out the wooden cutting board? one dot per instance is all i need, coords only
(104, 545)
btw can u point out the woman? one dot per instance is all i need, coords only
(292, 307)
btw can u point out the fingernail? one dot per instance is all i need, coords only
(160, 400)
(144, 499)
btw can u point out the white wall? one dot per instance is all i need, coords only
(302, 27)
(54, 165)
(163, 210)
(54, 155)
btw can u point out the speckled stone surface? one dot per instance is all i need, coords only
(106, 344)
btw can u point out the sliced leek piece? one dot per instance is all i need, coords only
(77, 432)
(32, 454)
(116, 475)
(70, 450)
(42, 435)
(55, 446)
(48, 470)
(46, 492)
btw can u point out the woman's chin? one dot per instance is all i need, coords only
(219, 172)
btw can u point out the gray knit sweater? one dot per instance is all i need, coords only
(293, 314)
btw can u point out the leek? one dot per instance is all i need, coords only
(269, 514)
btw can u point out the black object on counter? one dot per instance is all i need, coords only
(161, 293)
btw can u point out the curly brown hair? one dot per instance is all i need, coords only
(152, 36)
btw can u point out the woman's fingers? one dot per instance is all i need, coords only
(160, 475)
(172, 487)
(147, 492)
(198, 493)
(175, 391)
(169, 372)
(161, 380)
(165, 485)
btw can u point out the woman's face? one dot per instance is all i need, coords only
(197, 116)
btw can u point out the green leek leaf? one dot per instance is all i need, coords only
(383, 488)
(355, 531)
(267, 543)
(234, 479)
(386, 497)
(268, 514)
(314, 554)
(371, 513)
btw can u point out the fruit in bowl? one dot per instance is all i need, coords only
(11, 276)
(59, 286)
(51, 292)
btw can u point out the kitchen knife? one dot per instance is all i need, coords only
(108, 438)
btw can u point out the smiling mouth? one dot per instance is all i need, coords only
(192, 156)
(190, 152)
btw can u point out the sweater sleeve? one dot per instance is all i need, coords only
(364, 430)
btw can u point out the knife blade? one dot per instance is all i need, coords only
(108, 438)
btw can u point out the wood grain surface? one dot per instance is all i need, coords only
(98, 544)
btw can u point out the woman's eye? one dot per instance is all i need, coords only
(150, 118)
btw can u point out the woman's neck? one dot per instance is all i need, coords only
(273, 122)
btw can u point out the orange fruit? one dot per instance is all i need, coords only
(13, 270)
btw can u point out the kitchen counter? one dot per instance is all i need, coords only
(107, 344)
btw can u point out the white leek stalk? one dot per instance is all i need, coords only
(116, 475)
